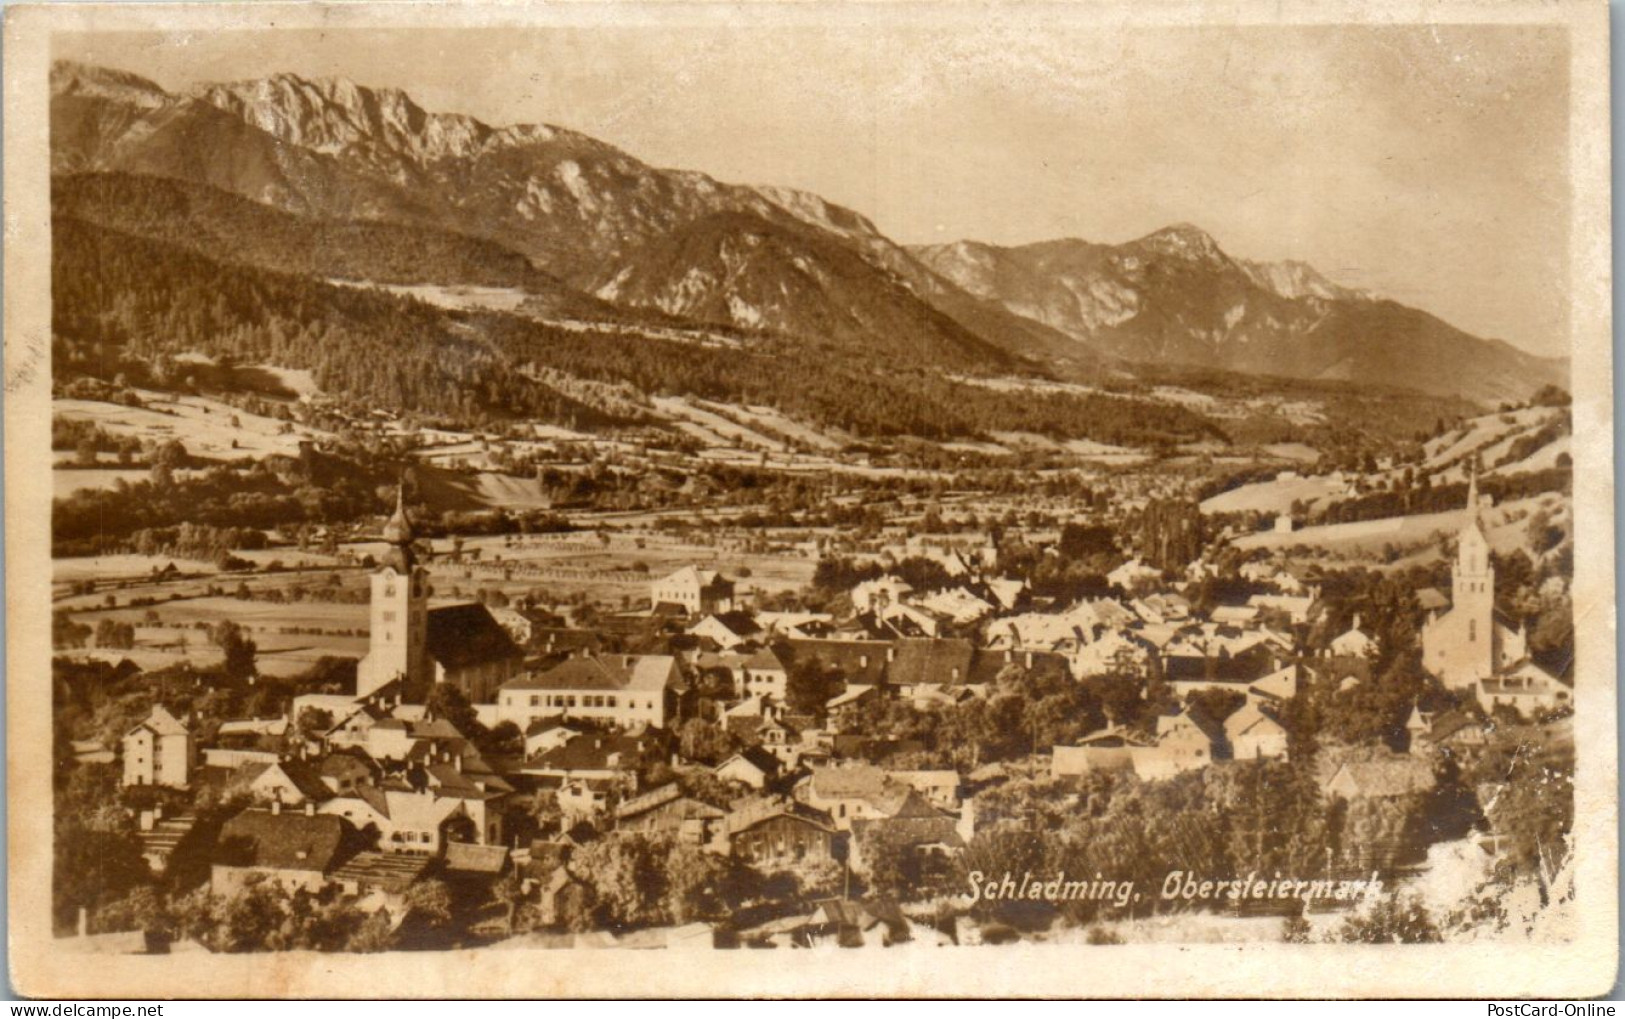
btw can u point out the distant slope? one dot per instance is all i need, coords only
(739, 268)
(1174, 297)
(228, 228)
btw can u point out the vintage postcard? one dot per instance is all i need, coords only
(828, 499)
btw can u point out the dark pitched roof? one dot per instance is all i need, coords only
(740, 624)
(373, 797)
(393, 872)
(750, 813)
(1243, 668)
(460, 636)
(853, 781)
(435, 728)
(765, 660)
(348, 764)
(1394, 777)
(859, 661)
(449, 781)
(670, 795)
(599, 672)
(291, 840)
(650, 800)
(467, 858)
(306, 778)
(538, 726)
(763, 760)
(559, 638)
(589, 752)
(946, 661)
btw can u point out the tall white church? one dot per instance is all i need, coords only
(1470, 641)
(418, 646)
(397, 648)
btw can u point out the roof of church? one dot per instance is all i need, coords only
(459, 636)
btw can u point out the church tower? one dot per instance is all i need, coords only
(1473, 580)
(397, 645)
(1463, 645)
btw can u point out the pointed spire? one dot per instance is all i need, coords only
(1472, 491)
(398, 531)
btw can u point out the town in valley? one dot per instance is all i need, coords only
(474, 537)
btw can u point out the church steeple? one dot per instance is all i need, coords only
(399, 529)
(396, 646)
(398, 532)
(1465, 644)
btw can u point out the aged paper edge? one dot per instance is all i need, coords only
(1582, 968)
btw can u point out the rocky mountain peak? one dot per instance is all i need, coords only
(336, 114)
(1183, 240)
(73, 79)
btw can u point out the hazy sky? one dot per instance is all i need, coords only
(1427, 164)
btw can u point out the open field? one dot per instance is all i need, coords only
(551, 565)
(555, 569)
(772, 418)
(1369, 536)
(1541, 459)
(205, 426)
(1277, 495)
(183, 634)
(457, 298)
(279, 654)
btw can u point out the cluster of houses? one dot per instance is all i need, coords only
(368, 790)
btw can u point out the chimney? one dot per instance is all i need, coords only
(310, 808)
(1029, 659)
(276, 806)
(891, 653)
(863, 661)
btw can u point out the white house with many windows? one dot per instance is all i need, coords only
(159, 751)
(623, 689)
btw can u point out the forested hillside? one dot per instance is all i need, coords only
(119, 297)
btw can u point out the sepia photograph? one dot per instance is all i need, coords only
(904, 500)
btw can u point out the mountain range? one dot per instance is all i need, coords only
(595, 232)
